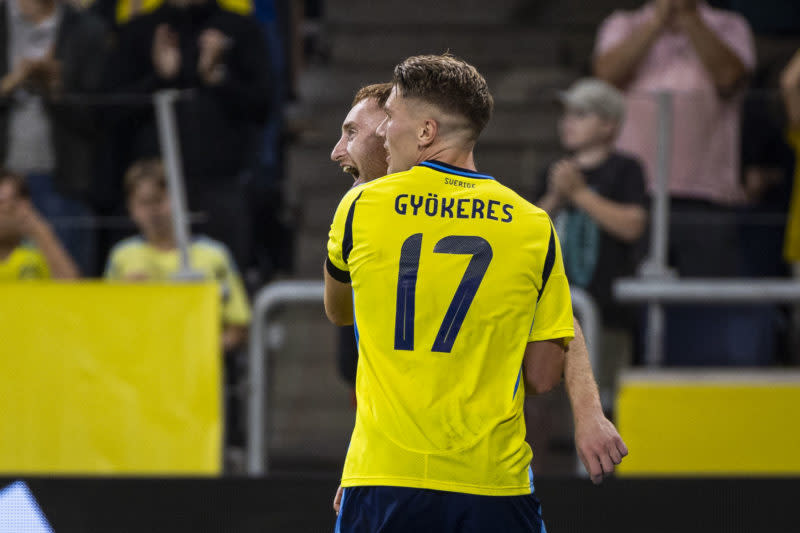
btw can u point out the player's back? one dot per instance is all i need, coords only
(447, 266)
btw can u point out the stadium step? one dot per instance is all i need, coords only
(513, 84)
(485, 46)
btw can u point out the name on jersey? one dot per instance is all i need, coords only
(433, 205)
(459, 183)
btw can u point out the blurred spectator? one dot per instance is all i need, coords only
(28, 247)
(119, 12)
(222, 57)
(48, 51)
(596, 197)
(153, 256)
(702, 56)
(790, 87)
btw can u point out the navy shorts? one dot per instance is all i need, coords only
(403, 509)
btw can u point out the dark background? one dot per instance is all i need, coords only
(289, 504)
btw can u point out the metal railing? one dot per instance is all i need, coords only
(657, 283)
(292, 292)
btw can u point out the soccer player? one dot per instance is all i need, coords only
(360, 153)
(457, 288)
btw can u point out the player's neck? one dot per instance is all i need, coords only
(592, 156)
(164, 243)
(452, 156)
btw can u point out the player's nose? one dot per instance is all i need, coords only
(338, 151)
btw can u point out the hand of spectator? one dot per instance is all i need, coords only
(213, 44)
(18, 76)
(664, 10)
(566, 179)
(685, 12)
(166, 53)
(45, 73)
(337, 500)
(790, 77)
(599, 446)
(30, 223)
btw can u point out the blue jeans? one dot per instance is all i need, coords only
(72, 220)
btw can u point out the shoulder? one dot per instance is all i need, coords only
(625, 161)
(213, 249)
(126, 247)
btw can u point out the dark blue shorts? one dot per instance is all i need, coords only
(402, 509)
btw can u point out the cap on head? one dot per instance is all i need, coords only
(594, 96)
(449, 83)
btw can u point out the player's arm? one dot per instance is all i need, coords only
(338, 290)
(597, 441)
(338, 301)
(543, 366)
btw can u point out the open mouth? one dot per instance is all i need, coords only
(350, 169)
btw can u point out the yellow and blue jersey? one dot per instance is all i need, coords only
(24, 262)
(453, 274)
(134, 259)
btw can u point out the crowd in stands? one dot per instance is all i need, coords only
(728, 162)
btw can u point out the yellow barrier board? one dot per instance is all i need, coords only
(710, 423)
(100, 378)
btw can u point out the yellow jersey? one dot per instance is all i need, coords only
(453, 275)
(24, 262)
(133, 259)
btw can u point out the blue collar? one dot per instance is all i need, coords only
(450, 169)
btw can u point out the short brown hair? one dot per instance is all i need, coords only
(19, 182)
(449, 83)
(379, 91)
(143, 170)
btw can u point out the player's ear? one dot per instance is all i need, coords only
(428, 132)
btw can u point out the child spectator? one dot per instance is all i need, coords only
(29, 249)
(596, 197)
(154, 256)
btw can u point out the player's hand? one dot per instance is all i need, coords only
(599, 446)
(337, 500)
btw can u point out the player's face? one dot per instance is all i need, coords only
(150, 208)
(580, 129)
(400, 130)
(360, 150)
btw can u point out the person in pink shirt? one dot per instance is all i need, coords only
(703, 56)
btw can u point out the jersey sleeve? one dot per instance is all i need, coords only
(553, 316)
(340, 237)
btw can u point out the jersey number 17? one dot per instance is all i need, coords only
(481, 252)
